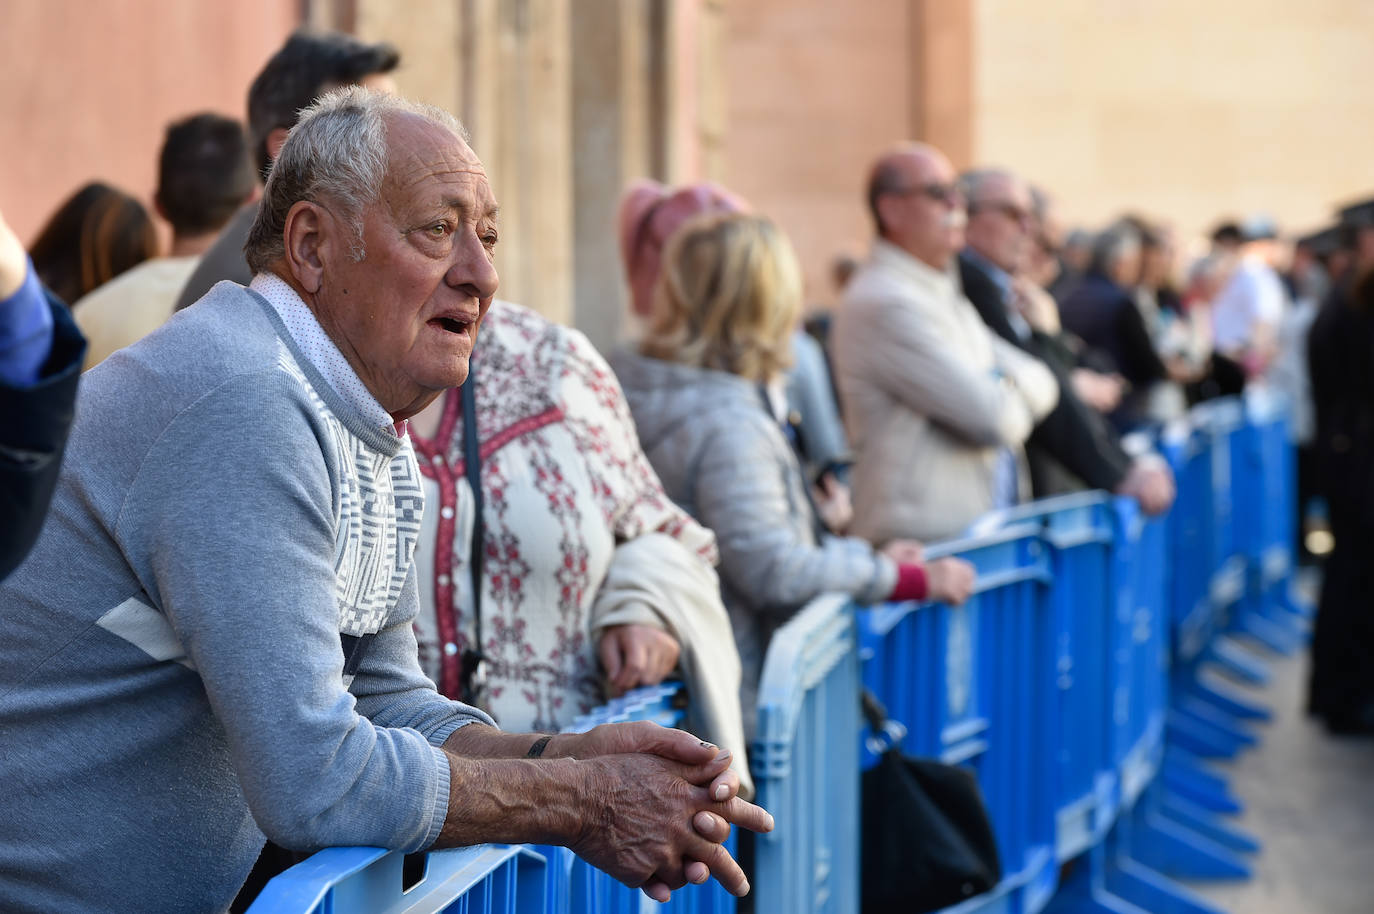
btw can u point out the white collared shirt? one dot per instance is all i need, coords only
(320, 350)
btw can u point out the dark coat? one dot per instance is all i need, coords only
(1073, 445)
(1106, 318)
(1340, 350)
(34, 422)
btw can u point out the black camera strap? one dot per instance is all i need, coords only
(472, 676)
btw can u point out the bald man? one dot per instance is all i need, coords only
(938, 407)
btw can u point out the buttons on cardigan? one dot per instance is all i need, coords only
(450, 648)
(443, 580)
(446, 512)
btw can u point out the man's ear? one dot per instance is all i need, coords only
(889, 210)
(275, 139)
(308, 238)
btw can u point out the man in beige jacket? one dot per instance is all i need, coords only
(937, 406)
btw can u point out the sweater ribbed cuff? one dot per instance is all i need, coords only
(439, 809)
(911, 583)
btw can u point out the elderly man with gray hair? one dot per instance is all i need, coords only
(211, 641)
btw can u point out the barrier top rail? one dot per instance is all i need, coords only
(806, 765)
(368, 880)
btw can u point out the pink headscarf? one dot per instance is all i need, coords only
(650, 213)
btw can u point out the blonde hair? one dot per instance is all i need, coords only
(728, 297)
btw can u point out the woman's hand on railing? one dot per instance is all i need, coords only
(949, 580)
(636, 655)
(905, 552)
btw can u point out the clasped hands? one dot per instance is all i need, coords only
(668, 801)
(648, 805)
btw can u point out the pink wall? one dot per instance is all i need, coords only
(87, 88)
(816, 90)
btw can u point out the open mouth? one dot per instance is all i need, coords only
(452, 325)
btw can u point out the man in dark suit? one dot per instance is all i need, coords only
(40, 361)
(1073, 447)
(1341, 688)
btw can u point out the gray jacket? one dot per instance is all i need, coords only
(723, 458)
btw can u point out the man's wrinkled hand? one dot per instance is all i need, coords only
(645, 737)
(644, 824)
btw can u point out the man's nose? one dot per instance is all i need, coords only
(474, 271)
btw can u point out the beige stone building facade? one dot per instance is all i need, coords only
(1177, 108)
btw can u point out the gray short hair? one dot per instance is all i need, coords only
(337, 152)
(1115, 243)
(973, 184)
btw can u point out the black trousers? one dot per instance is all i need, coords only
(1341, 688)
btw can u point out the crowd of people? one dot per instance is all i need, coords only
(330, 512)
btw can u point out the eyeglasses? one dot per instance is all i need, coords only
(945, 194)
(1010, 210)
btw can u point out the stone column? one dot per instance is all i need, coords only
(942, 77)
(611, 78)
(503, 66)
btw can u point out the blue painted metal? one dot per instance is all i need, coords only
(1090, 632)
(1186, 775)
(1151, 891)
(1173, 848)
(491, 879)
(1200, 820)
(1225, 699)
(806, 765)
(1084, 891)
(985, 695)
(1235, 660)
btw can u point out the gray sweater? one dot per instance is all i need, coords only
(212, 638)
(721, 457)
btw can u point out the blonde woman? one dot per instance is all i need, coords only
(701, 389)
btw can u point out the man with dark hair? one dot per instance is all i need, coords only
(1227, 237)
(308, 65)
(204, 176)
(1072, 446)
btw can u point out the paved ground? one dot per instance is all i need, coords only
(1310, 799)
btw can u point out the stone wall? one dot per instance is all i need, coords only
(87, 89)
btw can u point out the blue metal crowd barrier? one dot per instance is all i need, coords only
(489, 879)
(805, 764)
(976, 685)
(1075, 682)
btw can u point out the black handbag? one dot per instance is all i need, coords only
(927, 842)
